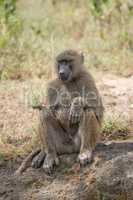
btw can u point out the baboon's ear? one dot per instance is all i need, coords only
(82, 56)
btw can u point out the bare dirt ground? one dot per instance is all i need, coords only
(18, 126)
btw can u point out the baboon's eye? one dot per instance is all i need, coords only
(70, 66)
(71, 60)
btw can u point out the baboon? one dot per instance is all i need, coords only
(71, 120)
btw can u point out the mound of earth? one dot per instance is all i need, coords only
(109, 177)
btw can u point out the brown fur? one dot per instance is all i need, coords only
(60, 131)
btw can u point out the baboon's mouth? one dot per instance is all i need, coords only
(64, 77)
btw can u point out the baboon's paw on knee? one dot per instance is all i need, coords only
(38, 160)
(49, 163)
(85, 158)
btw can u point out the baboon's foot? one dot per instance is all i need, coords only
(86, 157)
(49, 163)
(38, 160)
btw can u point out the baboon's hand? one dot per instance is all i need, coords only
(76, 111)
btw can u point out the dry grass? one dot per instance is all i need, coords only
(18, 121)
(48, 28)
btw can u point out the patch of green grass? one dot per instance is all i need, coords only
(115, 127)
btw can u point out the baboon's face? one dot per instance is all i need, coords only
(69, 64)
(65, 69)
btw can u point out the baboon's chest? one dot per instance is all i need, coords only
(67, 94)
(65, 98)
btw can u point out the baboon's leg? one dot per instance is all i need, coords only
(46, 134)
(39, 158)
(55, 141)
(89, 133)
(50, 140)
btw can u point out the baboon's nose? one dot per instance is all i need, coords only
(62, 73)
(63, 76)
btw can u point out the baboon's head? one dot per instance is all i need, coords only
(69, 65)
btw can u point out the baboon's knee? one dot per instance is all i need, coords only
(46, 115)
(90, 114)
(92, 120)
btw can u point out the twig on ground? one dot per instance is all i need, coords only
(27, 162)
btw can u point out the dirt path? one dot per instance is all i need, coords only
(117, 94)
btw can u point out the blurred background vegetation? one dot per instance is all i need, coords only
(33, 32)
